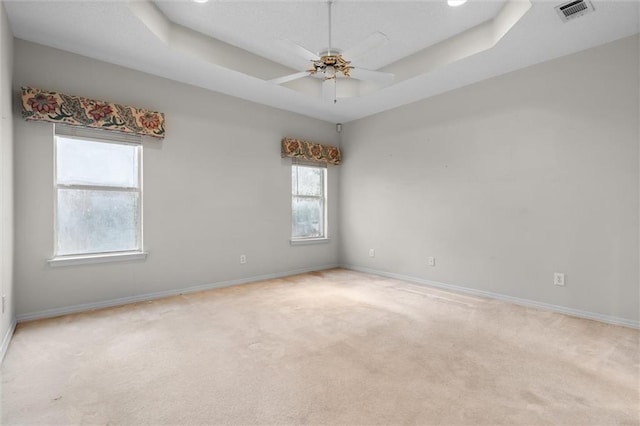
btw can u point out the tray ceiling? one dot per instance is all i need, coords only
(233, 47)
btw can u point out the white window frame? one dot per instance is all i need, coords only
(325, 217)
(102, 136)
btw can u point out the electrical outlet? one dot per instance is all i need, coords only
(372, 253)
(558, 278)
(431, 261)
(243, 259)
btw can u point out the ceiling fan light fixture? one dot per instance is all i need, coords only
(330, 72)
(456, 3)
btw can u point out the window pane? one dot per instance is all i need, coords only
(83, 162)
(307, 218)
(97, 221)
(307, 180)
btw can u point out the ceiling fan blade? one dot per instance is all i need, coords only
(374, 76)
(290, 77)
(298, 50)
(329, 90)
(374, 41)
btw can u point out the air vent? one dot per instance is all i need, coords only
(574, 9)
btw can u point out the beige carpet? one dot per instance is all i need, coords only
(336, 347)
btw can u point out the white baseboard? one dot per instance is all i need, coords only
(56, 312)
(49, 313)
(7, 339)
(516, 300)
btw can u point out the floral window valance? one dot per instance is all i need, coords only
(310, 151)
(76, 111)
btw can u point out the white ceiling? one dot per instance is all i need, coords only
(180, 40)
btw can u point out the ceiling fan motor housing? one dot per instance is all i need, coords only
(336, 62)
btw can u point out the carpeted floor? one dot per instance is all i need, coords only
(334, 347)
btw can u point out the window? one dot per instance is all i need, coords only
(98, 192)
(308, 202)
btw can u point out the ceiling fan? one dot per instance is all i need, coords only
(331, 64)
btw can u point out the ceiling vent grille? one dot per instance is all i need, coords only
(574, 9)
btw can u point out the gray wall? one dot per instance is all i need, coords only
(6, 173)
(506, 182)
(214, 189)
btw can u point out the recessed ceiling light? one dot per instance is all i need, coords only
(201, 1)
(453, 3)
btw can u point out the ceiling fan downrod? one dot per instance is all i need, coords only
(330, 3)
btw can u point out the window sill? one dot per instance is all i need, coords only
(96, 258)
(306, 241)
